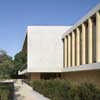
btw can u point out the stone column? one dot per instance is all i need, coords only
(90, 44)
(98, 37)
(65, 54)
(69, 50)
(73, 48)
(83, 44)
(78, 46)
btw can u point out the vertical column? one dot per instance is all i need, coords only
(69, 50)
(65, 54)
(73, 49)
(83, 44)
(90, 48)
(98, 37)
(78, 46)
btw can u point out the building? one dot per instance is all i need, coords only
(44, 48)
(68, 53)
(81, 46)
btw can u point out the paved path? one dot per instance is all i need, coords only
(25, 92)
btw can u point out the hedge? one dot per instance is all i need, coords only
(6, 91)
(66, 90)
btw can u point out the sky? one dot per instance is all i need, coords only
(16, 15)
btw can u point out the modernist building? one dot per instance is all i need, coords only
(81, 46)
(44, 48)
(66, 53)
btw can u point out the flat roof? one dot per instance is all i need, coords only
(47, 27)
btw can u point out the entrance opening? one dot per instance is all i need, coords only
(50, 75)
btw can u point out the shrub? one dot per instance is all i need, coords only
(6, 91)
(88, 92)
(66, 90)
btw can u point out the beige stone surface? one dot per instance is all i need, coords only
(98, 36)
(73, 49)
(84, 76)
(35, 75)
(78, 46)
(90, 45)
(65, 52)
(69, 50)
(25, 92)
(83, 44)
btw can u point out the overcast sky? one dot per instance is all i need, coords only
(16, 15)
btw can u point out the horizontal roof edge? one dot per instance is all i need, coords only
(67, 27)
(47, 28)
(90, 13)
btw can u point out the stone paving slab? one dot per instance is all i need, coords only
(25, 92)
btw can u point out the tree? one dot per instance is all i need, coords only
(20, 60)
(4, 56)
(6, 65)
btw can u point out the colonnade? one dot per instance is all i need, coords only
(82, 44)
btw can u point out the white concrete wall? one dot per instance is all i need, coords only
(45, 48)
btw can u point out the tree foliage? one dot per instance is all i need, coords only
(20, 60)
(6, 65)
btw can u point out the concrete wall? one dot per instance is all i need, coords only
(83, 76)
(45, 48)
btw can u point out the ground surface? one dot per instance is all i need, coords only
(25, 92)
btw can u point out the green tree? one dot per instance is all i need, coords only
(6, 65)
(20, 60)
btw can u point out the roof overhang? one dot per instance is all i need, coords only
(85, 67)
(90, 13)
